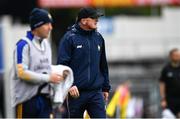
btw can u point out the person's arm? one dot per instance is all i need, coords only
(64, 57)
(162, 89)
(22, 66)
(104, 69)
(163, 95)
(64, 50)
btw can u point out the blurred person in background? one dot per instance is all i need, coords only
(32, 69)
(170, 83)
(83, 49)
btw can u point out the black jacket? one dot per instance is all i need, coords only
(84, 52)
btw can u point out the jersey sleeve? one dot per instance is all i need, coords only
(162, 77)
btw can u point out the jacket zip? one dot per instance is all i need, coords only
(89, 60)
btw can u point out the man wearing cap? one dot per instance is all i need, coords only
(83, 49)
(32, 69)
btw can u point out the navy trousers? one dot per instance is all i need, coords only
(92, 101)
(37, 107)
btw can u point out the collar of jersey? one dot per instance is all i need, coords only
(30, 35)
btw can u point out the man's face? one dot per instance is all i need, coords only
(175, 56)
(44, 30)
(91, 23)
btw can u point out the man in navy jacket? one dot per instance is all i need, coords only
(83, 49)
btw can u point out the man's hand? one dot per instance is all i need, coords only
(163, 103)
(56, 78)
(74, 92)
(106, 95)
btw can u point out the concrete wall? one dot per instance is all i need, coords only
(134, 38)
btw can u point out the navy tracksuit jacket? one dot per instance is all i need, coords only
(84, 52)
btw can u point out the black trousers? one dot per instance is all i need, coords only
(174, 105)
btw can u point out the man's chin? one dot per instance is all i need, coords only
(94, 28)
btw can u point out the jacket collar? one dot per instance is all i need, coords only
(82, 31)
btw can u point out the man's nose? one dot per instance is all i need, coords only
(50, 26)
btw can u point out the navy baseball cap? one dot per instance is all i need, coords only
(88, 12)
(38, 17)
